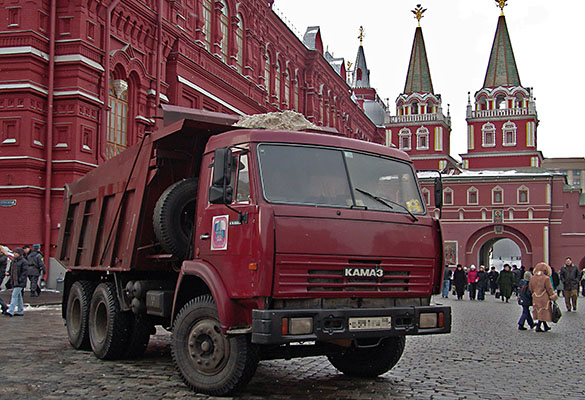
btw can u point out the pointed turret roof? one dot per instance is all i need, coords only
(361, 79)
(419, 74)
(502, 69)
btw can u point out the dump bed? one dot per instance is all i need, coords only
(107, 216)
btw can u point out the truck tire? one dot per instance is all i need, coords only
(77, 314)
(369, 362)
(109, 328)
(208, 361)
(140, 330)
(174, 217)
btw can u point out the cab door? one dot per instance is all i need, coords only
(225, 233)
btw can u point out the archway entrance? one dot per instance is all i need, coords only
(494, 241)
(499, 251)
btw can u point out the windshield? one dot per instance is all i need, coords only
(331, 177)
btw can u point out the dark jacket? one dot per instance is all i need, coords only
(570, 277)
(493, 277)
(524, 294)
(447, 274)
(36, 265)
(482, 280)
(459, 278)
(18, 272)
(3, 264)
(555, 278)
(505, 283)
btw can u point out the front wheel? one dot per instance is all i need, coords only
(369, 362)
(210, 362)
(77, 314)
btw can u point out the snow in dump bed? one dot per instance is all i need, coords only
(287, 121)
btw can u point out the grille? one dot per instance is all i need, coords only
(299, 274)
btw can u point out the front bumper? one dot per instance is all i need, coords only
(333, 324)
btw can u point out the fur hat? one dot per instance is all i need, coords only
(527, 275)
(19, 251)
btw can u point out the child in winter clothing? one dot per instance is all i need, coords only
(525, 300)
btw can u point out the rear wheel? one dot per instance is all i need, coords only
(77, 314)
(109, 328)
(174, 217)
(369, 362)
(208, 361)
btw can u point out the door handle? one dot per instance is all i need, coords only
(204, 236)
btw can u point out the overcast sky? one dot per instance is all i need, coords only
(547, 38)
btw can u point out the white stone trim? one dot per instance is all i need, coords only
(78, 93)
(23, 50)
(13, 86)
(152, 92)
(79, 58)
(210, 95)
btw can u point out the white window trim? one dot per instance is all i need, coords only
(471, 190)
(448, 190)
(428, 196)
(420, 133)
(520, 189)
(405, 132)
(509, 127)
(488, 127)
(494, 190)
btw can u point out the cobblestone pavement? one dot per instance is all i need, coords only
(486, 357)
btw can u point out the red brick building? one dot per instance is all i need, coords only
(81, 81)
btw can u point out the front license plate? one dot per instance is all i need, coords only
(369, 323)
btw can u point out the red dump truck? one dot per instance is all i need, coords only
(250, 244)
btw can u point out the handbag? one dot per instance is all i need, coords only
(556, 312)
(498, 294)
(9, 284)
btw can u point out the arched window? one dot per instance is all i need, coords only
(224, 26)
(207, 17)
(297, 83)
(422, 138)
(404, 139)
(286, 99)
(277, 83)
(240, 44)
(509, 129)
(267, 76)
(488, 131)
(414, 108)
(448, 196)
(522, 195)
(358, 74)
(117, 140)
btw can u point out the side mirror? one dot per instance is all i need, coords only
(438, 192)
(222, 167)
(220, 191)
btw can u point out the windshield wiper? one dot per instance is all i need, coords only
(386, 202)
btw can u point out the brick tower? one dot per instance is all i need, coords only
(502, 122)
(420, 128)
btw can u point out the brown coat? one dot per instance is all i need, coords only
(542, 293)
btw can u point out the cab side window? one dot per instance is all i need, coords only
(243, 180)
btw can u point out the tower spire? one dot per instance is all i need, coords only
(502, 4)
(418, 78)
(502, 69)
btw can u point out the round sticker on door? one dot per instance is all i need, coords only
(219, 229)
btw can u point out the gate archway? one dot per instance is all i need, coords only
(478, 244)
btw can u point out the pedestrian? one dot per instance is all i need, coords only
(570, 276)
(18, 281)
(36, 269)
(3, 265)
(493, 275)
(482, 283)
(542, 295)
(555, 280)
(525, 300)
(517, 278)
(505, 283)
(446, 281)
(582, 283)
(459, 280)
(472, 282)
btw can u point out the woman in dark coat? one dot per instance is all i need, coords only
(459, 280)
(506, 283)
(482, 283)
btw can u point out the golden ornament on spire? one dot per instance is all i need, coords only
(361, 36)
(348, 65)
(502, 4)
(418, 12)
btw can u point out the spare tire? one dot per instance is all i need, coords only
(174, 217)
